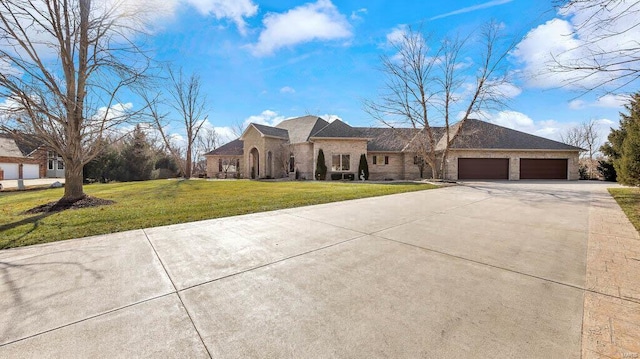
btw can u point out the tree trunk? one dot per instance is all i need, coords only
(73, 180)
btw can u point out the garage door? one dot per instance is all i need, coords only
(10, 170)
(30, 171)
(483, 168)
(531, 168)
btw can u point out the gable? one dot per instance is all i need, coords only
(9, 148)
(301, 128)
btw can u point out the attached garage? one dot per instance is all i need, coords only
(537, 168)
(483, 168)
(30, 171)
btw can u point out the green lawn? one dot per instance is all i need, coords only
(162, 202)
(629, 201)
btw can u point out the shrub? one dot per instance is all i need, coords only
(363, 167)
(606, 169)
(321, 167)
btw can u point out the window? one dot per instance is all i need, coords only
(60, 164)
(375, 160)
(418, 160)
(50, 164)
(292, 163)
(386, 160)
(220, 165)
(340, 163)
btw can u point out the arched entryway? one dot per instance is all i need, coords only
(269, 164)
(254, 163)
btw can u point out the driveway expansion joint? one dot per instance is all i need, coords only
(177, 294)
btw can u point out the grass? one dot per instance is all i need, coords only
(629, 201)
(156, 203)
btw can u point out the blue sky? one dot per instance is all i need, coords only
(265, 61)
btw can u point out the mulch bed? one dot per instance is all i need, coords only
(61, 205)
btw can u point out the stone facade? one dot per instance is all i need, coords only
(225, 166)
(268, 152)
(514, 160)
(352, 147)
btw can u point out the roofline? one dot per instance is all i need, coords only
(382, 151)
(341, 138)
(260, 132)
(515, 149)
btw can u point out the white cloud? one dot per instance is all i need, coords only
(235, 10)
(287, 89)
(331, 118)
(607, 101)
(267, 117)
(397, 34)
(115, 112)
(578, 38)
(310, 22)
(612, 101)
(355, 15)
(577, 104)
(505, 90)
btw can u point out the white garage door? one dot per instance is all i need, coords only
(30, 171)
(10, 170)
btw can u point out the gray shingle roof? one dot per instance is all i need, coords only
(338, 129)
(233, 148)
(480, 134)
(301, 128)
(387, 139)
(271, 131)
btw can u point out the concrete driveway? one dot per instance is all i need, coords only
(484, 270)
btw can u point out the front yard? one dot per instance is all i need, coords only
(162, 202)
(629, 201)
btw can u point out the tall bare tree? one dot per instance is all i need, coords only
(64, 63)
(428, 89)
(607, 54)
(188, 110)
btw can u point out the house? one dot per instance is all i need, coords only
(25, 157)
(480, 150)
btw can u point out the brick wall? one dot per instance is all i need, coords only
(213, 166)
(352, 147)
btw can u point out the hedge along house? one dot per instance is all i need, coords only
(480, 150)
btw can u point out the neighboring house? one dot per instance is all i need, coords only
(480, 151)
(26, 158)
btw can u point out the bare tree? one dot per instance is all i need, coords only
(428, 91)
(607, 54)
(206, 141)
(190, 104)
(64, 63)
(584, 136)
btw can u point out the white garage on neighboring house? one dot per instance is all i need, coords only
(21, 159)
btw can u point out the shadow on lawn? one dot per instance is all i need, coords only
(35, 220)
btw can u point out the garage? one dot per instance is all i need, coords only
(10, 170)
(536, 168)
(30, 171)
(483, 168)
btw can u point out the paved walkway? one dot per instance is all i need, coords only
(483, 270)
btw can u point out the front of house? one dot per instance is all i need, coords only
(480, 150)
